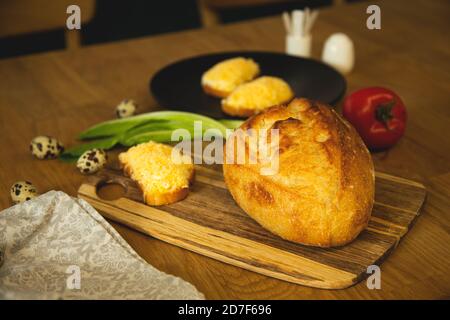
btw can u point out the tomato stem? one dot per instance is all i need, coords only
(383, 112)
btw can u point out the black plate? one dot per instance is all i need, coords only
(178, 87)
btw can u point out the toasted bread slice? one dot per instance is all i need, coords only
(252, 97)
(162, 172)
(221, 79)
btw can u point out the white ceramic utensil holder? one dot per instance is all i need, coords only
(298, 45)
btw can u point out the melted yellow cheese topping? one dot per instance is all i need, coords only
(158, 167)
(260, 94)
(227, 75)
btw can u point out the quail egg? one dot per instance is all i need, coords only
(126, 108)
(23, 191)
(45, 147)
(92, 161)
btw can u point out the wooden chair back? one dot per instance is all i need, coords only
(19, 17)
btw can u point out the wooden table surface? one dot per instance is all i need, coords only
(62, 93)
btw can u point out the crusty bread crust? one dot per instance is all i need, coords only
(214, 92)
(159, 198)
(323, 192)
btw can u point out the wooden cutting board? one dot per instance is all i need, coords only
(209, 222)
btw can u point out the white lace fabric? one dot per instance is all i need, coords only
(44, 239)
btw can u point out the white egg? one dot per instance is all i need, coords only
(339, 52)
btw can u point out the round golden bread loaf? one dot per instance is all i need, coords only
(323, 190)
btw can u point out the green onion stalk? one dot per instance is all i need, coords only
(155, 126)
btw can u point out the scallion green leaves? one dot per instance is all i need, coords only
(155, 126)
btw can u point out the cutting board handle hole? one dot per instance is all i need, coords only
(110, 190)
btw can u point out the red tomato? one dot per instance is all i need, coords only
(378, 114)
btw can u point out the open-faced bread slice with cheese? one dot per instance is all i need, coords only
(222, 78)
(253, 97)
(162, 172)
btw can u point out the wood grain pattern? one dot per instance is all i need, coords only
(62, 93)
(209, 222)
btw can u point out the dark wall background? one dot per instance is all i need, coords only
(118, 20)
(121, 20)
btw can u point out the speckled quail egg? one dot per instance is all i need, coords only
(92, 161)
(23, 191)
(45, 147)
(126, 108)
